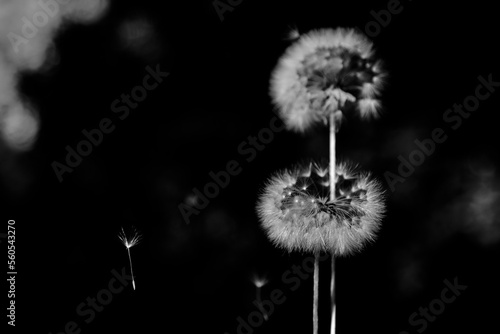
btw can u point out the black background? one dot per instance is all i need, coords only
(441, 223)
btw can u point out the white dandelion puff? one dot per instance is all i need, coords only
(130, 242)
(308, 220)
(323, 72)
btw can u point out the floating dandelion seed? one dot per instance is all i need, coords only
(129, 243)
(326, 71)
(299, 219)
(259, 282)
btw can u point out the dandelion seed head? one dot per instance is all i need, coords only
(369, 107)
(293, 34)
(324, 71)
(307, 220)
(369, 89)
(130, 241)
(259, 282)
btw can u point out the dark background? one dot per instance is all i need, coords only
(441, 223)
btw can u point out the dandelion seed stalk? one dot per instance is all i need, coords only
(332, 198)
(316, 293)
(131, 268)
(332, 292)
(259, 302)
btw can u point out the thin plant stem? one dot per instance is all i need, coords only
(259, 302)
(131, 269)
(332, 197)
(332, 156)
(332, 295)
(316, 294)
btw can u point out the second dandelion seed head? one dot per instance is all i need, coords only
(297, 213)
